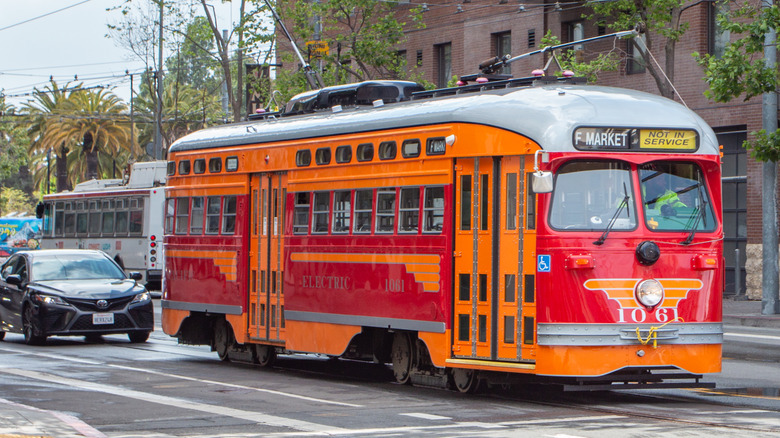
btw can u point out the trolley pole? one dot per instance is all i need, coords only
(769, 280)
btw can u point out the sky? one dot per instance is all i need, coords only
(65, 39)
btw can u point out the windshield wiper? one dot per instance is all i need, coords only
(623, 204)
(700, 215)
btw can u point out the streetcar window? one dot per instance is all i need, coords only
(59, 219)
(530, 204)
(341, 209)
(213, 205)
(215, 165)
(588, 194)
(107, 227)
(365, 152)
(320, 212)
(184, 167)
(171, 168)
(231, 164)
(322, 156)
(511, 201)
(196, 219)
(409, 210)
(182, 215)
(303, 158)
(674, 197)
(199, 165)
(387, 150)
(344, 154)
(465, 202)
(70, 224)
(229, 208)
(121, 222)
(170, 214)
(410, 148)
(484, 202)
(94, 218)
(385, 210)
(81, 223)
(301, 218)
(363, 209)
(433, 210)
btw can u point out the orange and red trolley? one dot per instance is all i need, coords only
(541, 230)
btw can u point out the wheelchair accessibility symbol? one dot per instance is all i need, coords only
(543, 263)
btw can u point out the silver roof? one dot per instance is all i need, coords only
(547, 115)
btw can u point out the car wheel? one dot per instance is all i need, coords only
(138, 337)
(31, 328)
(2, 336)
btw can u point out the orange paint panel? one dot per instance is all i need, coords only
(597, 361)
(422, 278)
(438, 346)
(318, 337)
(431, 268)
(238, 322)
(172, 319)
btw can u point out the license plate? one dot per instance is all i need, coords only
(102, 318)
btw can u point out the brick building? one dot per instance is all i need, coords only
(460, 34)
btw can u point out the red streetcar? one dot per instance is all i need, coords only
(535, 229)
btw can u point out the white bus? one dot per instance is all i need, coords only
(122, 217)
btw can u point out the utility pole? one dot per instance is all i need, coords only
(769, 277)
(158, 123)
(132, 116)
(225, 103)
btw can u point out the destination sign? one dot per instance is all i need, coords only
(635, 139)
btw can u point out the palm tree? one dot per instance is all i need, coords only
(46, 104)
(93, 120)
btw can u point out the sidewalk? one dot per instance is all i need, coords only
(747, 313)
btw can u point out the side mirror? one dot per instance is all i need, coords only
(14, 279)
(39, 209)
(136, 276)
(542, 182)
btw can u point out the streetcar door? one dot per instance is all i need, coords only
(266, 297)
(492, 249)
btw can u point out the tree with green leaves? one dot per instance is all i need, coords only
(94, 121)
(14, 156)
(654, 17)
(569, 59)
(13, 200)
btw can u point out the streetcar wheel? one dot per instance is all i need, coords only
(265, 355)
(403, 357)
(464, 380)
(223, 339)
(31, 328)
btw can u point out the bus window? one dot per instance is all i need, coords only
(341, 210)
(363, 208)
(170, 214)
(409, 210)
(70, 224)
(433, 209)
(385, 210)
(94, 218)
(588, 194)
(182, 215)
(46, 229)
(229, 215)
(59, 219)
(320, 211)
(301, 219)
(107, 226)
(196, 220)
(121, 222)
(136, 223)
(675, 198)
(213, 206)
(81, 223)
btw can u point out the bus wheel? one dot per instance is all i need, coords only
(223, 339)
(464, 380)
(265, 355)
(403, 357)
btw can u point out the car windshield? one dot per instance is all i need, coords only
(588, 194)
(74, 267)
(674, 197)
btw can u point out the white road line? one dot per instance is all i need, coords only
(426, 416)
(257, 417)
(180, 377)
(744, 335)
(77, 425)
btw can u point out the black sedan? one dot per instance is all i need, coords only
(72, 293)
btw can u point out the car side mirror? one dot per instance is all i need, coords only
(136, 276)
(39, 210)
(542, 182)
(14, 279)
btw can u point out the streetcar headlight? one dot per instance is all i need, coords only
(650, 293)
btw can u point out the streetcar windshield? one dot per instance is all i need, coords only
(674, 197)
(588, 195)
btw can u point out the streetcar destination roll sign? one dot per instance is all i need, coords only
(635, 139)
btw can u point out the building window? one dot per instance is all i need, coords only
(718, 37)
(531, 38)
(443, 64)
(575, 32)
(503, 46)
(636, 61)
(419, 58)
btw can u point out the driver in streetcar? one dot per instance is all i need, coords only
(659, 196)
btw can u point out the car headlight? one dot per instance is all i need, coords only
(650, 293)
(49, 299)
(141, 298)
